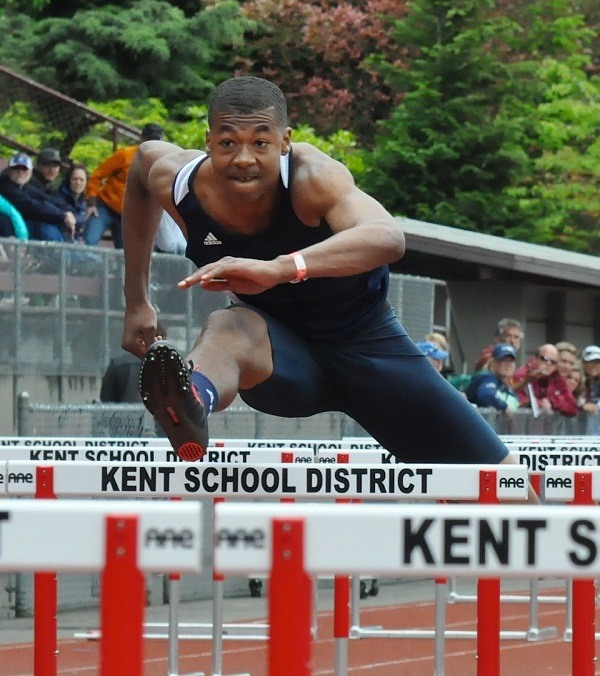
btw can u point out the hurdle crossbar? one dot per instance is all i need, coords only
(483, 540)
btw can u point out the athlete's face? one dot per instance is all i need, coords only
(245, 150)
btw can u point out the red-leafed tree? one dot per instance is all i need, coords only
(316, 52)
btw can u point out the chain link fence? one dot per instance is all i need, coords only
(54, 119)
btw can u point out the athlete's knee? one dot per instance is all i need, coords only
(237, 322)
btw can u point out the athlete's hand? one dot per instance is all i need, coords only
(239, 275)
(139, 328)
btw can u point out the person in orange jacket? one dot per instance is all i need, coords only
(106, 189)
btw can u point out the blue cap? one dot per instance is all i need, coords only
(503, 350)
(430, 349)
(20, 160)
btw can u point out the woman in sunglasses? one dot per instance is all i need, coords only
(539, 385)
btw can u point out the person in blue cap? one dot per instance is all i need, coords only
(488, 387)
(434, 354)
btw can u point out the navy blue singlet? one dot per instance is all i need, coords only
(338, 346)
(323, 308)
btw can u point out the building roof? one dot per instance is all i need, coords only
(487, 252)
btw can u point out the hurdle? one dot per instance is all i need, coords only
(284, 480)
(122, 541)
(486, 540)
(539, 462)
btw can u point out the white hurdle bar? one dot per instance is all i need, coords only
(290, 542)
(120, 540)
(283, 481)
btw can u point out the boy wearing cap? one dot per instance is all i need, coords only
(489, 386)
(46, 171)
(106, 190)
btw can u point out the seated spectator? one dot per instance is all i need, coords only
(106, 190)
(488, 387)
(72, 194)
(567, 356)
(46, 171)
(434, 354)
(576, 381)
(46, 219)
(539, 385)
(508, 331)
(11, 221)
(439, 339)
(590, 356)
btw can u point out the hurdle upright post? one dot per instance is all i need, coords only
(122, 632)
(45, 603)
(289, 601)
(583, 658)
(488, 598)
(341, 607)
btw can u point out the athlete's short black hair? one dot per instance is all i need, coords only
(247, 95)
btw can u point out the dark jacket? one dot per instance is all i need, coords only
(39, 181)
(486, 389)
(78, 205)
(34, 204)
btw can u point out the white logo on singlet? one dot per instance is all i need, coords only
(210, 240)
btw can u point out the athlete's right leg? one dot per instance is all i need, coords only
(239, 350)
(232, 351)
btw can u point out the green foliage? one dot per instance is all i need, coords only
(146, 48)
(443, 156)
(486, 138)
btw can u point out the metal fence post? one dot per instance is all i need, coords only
(24, 415)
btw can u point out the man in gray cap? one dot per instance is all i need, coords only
(46, 171)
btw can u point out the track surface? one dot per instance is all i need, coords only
(367, 656)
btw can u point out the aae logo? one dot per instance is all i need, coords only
(511, 482)
(254, 539)
(559, 482)
(170, 537)
(20, 478)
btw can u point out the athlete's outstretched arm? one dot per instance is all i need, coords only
(142, 211)
(365, 235)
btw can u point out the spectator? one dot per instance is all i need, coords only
(106, 189)
(508, 331)
(488, 387)
(539, 385)
(72, 194)
(439, 339)
(434, 354)
(567, 356)
(590, 356)
(11, 221)
(576, 381)
(46, 171)
(46, 219)
(120, 383)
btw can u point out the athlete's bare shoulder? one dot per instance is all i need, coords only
(319, 182)
(312, 164)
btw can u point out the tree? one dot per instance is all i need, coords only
(316, 52)
(444, 155)
(498, 128)
(146, 48)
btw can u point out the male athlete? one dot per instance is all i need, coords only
(303, 253)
